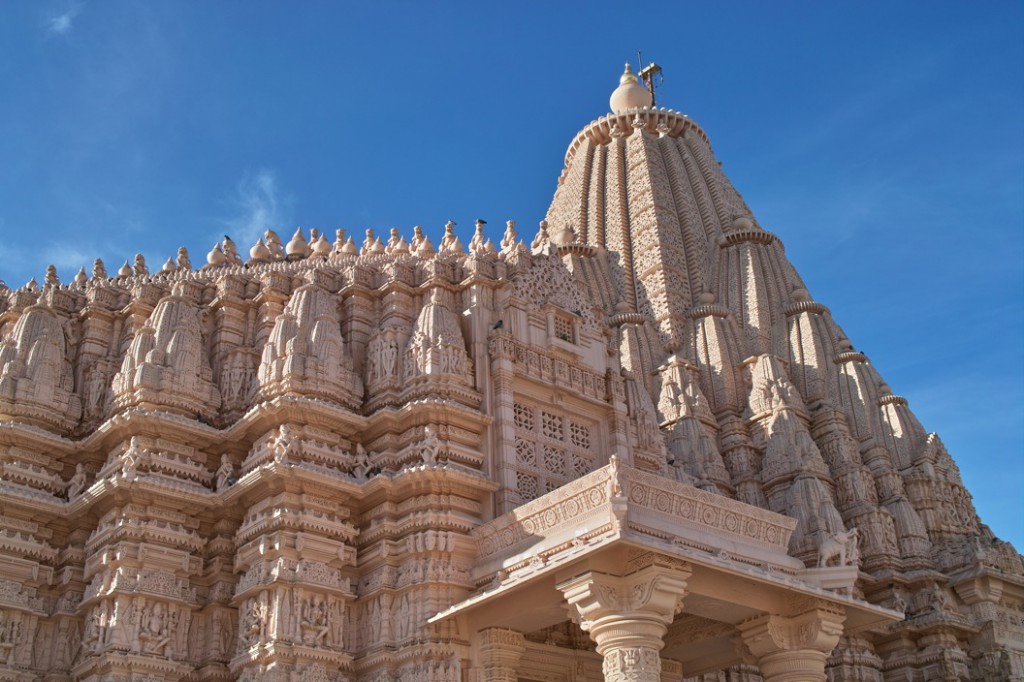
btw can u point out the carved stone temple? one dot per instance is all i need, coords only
(633, 447)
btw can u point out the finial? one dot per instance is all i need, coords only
(630, 94)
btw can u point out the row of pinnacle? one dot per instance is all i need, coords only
(269, 248)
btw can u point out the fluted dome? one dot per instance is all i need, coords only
(630, 94)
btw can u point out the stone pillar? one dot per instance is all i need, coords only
(627, 616)
(794, 648)
(500, 650)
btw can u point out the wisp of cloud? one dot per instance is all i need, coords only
(258, 206)
(61, 24)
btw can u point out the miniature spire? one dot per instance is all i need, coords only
(297, 247)
(125, 271)
(216, 256)
(259, 252)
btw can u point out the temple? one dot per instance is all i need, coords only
(630, 448)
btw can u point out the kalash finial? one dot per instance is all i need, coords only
(630, 94)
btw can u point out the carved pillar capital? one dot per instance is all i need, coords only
(627, 616)
(500, 650)
(794, 648)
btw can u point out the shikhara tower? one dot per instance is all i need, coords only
(634, 448)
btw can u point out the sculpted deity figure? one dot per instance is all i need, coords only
(417, 237)
(542, 239)
(476, 244)
(274, 244)
(153, 637)
(99, 270)
(76, 484)
(51, 279)
(430, 446)
(393, 240)
(368, 242)
(131, 458)
(139, 267)
(314, 621)
(184, 262)
(283, 445)
(225, 472)
(449, 240)
(388, 357)
(95, 390)
(361, 466)
(255, 622)
(510, 238)
(339, 240)
(231, 251)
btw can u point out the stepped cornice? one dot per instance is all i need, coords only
(744, 236)
(656, 121)
(798, 307)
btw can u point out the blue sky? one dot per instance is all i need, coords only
(883, 142)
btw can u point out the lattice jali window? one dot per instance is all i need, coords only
(554, 461)
(551, 425)
(551, 448)
(525, 452)
(526, 485)
(579, 435)
(523, 416)
(563, 328)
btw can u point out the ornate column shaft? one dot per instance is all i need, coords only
(627, 616)
(794, 648)
(500, 650)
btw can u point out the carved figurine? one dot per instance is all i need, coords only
(99, 270)
(153, 637)
(139, 268)
(449, 242)
(542, 239)
(231, 251)
(417, 238)
(314, 621)
(361, 467)
(476, 244)
(368, 242)
(842, 546)
(76, 484)
(274, 244)
(225, 472)
(430, 446)
(130, 460)
(510, 239)
(283, 445)
(184, 262)
(51, 279)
